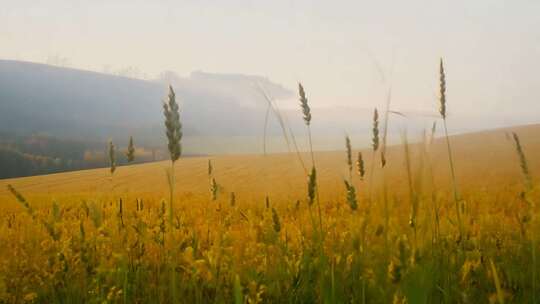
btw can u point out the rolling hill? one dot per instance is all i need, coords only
(75, 104)
(485, 161)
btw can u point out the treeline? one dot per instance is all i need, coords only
(43, 154)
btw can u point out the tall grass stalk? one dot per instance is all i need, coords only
(442, 111)
(375, 147)
(385, 131)
(426, 149)
(349, 156)
(112, 163)
(413, 198)
(306, 111)
(173, 130)
(284, 125)
(383, 168)
(527, 180)
(265, 130)
(349, 186)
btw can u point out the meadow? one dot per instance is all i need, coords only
(394, 227)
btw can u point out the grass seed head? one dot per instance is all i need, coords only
(394, 271)
(360, 167)
(213, 189)
(349, 152)
(312, 185)
(523, 162)
(233, 199)
(375, 138)
(304, 104)
(130, 154)
(442, 90)
(351, 195)
(172, 125)
(275, 220)
(20, 198)
(112, 157)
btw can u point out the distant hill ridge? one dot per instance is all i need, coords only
(71, 103)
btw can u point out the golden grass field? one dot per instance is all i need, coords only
(485, 161)
(89, 247)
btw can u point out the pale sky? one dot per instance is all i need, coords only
(491, 48)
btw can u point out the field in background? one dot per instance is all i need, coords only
(485, 161)
(256, 250)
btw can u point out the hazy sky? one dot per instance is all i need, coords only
(491, 48)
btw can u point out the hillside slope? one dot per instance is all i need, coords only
(485, 161)
(70, 103)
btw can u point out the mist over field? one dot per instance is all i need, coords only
(286, 151)
(222, 113)
(351, 56)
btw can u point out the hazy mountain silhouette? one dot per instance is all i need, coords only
(70, 103)
(220, 112)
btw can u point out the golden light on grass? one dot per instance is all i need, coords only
(69, 238)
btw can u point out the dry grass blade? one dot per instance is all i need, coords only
(386, 119)
(500, 294)
(282, 123)
(523, 162)
(20, 198)
(528, 187)
(433, 130)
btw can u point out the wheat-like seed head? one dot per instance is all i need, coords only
(304, 104)
(312, 185)
(20, 198)
(351, 195)
(360, 168)
(213, 189)
(375, 129)
(210, 168)
(442, 90)
(349, 152)
(523, 162)
(172, 125)
(112, 157)
(130, 154)
(275, 220)
(394, 271)
(233, 199)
